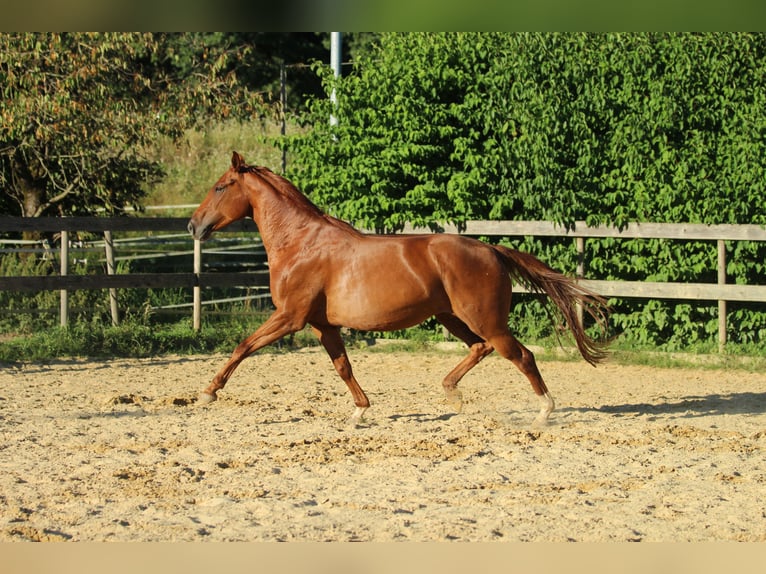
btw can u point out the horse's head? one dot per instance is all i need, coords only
(226, 202)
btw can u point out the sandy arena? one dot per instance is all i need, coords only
(119, 451)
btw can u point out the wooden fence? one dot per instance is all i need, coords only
(720, 291)
(196, 279)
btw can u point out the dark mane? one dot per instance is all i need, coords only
(294, 195)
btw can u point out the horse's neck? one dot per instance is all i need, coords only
(282, 222)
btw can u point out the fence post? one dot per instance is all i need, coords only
(721, 304)
(64, 271)
(580, 242)
(110, 270)
(197, 290)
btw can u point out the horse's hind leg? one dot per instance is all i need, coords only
(510, 348)
(333, 344)
(478, 349)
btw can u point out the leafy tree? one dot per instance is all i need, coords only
(388, 159)
(269, 51)
(79, 112)
(607, 128)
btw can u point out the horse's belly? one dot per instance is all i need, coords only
(385, 283)
(383, 307)
(380, 321)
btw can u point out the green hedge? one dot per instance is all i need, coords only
(607, 128)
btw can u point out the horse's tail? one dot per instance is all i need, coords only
(566, 294)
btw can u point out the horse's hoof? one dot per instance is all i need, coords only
(540, 422)
(455, 400)
(357, 418)
(206, 398)
(546, 408)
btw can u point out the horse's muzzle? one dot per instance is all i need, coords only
(196, 232)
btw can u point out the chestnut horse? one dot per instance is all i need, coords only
(325, 273)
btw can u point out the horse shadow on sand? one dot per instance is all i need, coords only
(745, 403)
(422, 417)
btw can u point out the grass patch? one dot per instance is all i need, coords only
(135, 339)
(194, 165)
(749, 358)
(729, 359)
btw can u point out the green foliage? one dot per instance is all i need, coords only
(138, 337)
(197, 160)
(97, 340)
(78, 112)
(606, 128)
(28, 311)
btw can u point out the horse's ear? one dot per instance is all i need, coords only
(237, 161)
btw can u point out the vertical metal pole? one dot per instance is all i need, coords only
(580, 242)
(336, 50)
(110, 270)
(283, 102)
(64, 271)
(721, 304)
(197, 290)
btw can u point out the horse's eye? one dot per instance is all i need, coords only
(222, 186)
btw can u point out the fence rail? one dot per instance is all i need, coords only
(580, 232)
(195, 280)
(639, 289)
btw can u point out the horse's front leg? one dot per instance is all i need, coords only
(333, 344)
(276, 326)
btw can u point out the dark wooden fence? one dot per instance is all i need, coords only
(195, 279)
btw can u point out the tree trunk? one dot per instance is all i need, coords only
(29, 192)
